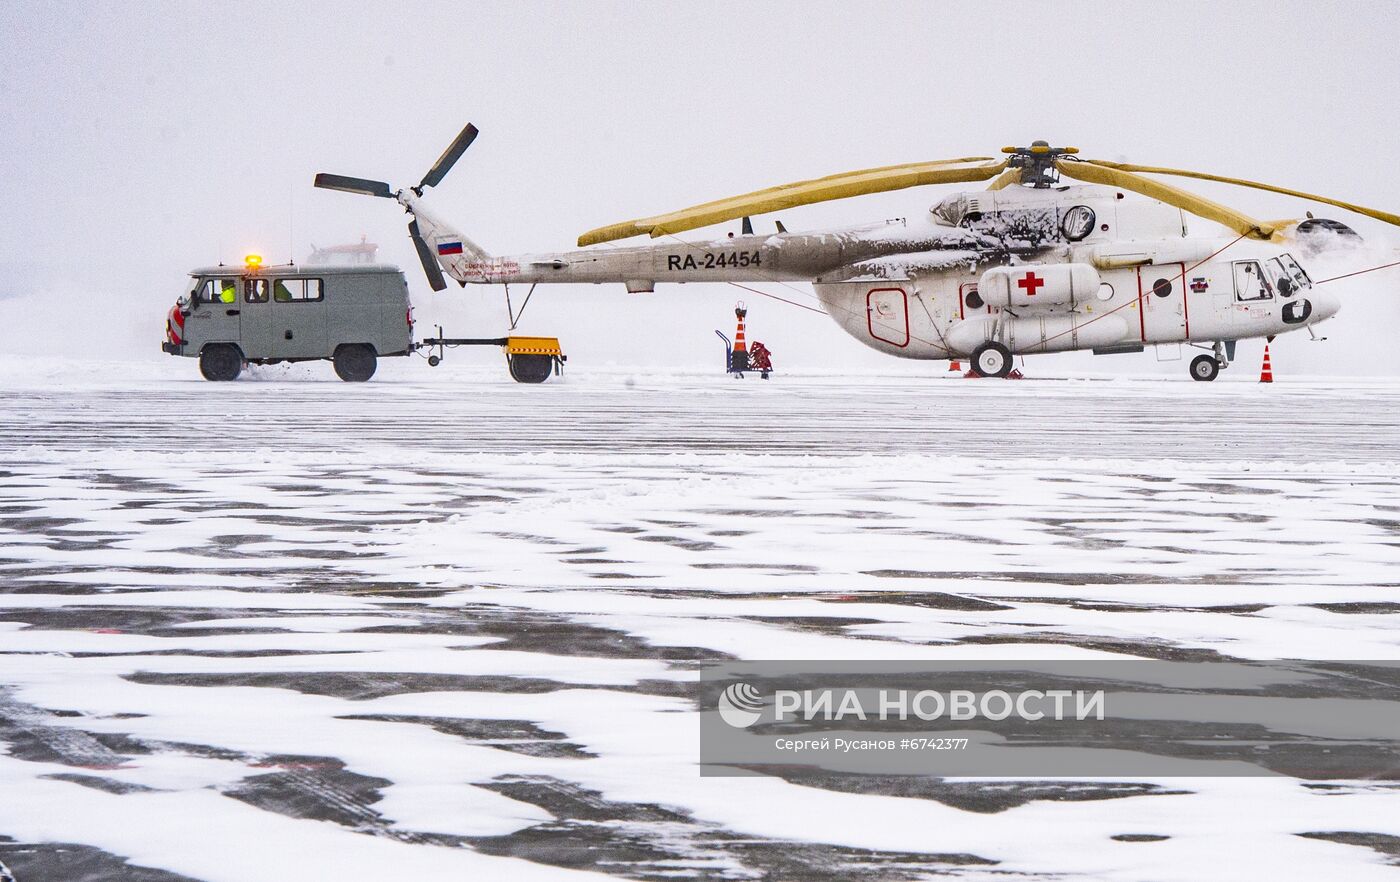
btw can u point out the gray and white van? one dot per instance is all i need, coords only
(232, 315)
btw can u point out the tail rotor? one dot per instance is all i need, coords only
(428, 238)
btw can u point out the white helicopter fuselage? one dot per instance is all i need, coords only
(1036, 270)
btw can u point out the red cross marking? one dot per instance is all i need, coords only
(1030, 283)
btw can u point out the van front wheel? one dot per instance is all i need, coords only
(355, 362)
(220, 362)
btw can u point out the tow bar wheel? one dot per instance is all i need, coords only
(991, 359)
(532, 359)
(530, 368)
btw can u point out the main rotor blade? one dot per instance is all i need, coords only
(1096, 173)
(353, 185)
(449, 157)
(839, 186)
(1006, 179)
(426, 257)
(1240, 182)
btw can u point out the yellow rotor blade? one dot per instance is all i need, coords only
(1182, 173)
(1006, 179)
(839, 186)
(1099, 173)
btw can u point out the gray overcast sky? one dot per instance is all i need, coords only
(140, 139)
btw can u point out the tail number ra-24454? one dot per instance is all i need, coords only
(711, 260)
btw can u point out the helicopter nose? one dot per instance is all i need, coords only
(1325, 304)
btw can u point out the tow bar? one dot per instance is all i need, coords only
(530, 359)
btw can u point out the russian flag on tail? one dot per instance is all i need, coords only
(446, 248)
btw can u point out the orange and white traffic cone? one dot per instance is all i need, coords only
(1266, 373)
(955, 365)
(739, 355)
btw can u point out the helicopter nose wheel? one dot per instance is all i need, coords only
(991, 359)
(1204, 368)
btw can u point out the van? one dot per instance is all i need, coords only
(231, 316)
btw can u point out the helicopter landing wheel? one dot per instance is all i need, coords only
(1204, 368)
(991, 359)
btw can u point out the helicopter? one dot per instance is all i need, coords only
(1059, 253)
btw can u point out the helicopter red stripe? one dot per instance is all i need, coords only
(1185, 302)
(1142, 322)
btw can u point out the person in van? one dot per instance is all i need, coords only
(280, 292)
(228, 291)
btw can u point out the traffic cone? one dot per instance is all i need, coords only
(739, 355)
(955, 365)
(1266, 373)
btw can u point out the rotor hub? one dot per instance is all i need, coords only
(1038, 162)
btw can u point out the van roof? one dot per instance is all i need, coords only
(286, 269)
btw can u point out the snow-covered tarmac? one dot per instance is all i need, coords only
(443, 624)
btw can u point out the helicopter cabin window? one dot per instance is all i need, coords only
(255, 291)
(1250, 284)
(1078, 223)
(296, 290)
(217, 291)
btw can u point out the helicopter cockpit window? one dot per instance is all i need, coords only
(951, 211)
(1295, 272)
(1250, 283)
(1279, 279)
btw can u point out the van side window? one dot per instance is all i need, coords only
(255, 290)
(296, 290)
(1250, 283)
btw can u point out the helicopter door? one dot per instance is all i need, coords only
(887, 315)
(1162, 300)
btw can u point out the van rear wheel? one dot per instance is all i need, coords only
(355, 362)
(530, 368)
(220, 362)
